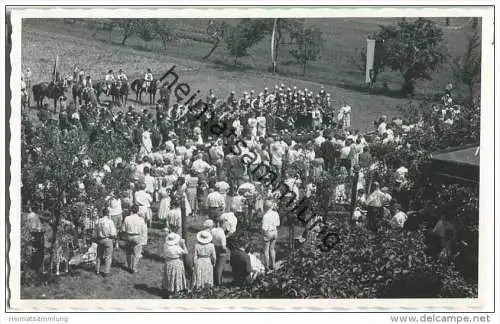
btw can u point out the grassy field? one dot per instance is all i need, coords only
(336, 70)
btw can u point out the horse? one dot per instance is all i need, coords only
(47, 89)
(89, 96)
(119, 92)
(101, 87)
(77, 90)
(139, 86)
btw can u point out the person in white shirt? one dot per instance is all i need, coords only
(320, 139)
(252, 126)
(115, 211)
(399, 217)
(143, 201)
(134, 229)
(382, 126)
(110, 77)
(270, 224)
(261, 125)
(277, 153)
(148, 78)
(229, 223)
(105, 233)
(149, 181)
(122, 76)
(216, 203)
(200, 166)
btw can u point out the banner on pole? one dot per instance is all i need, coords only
(54, 70)
(370, 57)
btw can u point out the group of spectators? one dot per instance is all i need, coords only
(184, 170)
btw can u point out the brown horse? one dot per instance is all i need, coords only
(47, 89)
(119, 92)
(140, 86)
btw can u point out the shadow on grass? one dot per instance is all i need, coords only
(218, 64)
(379, 91)
(156, 291)
(146, 254)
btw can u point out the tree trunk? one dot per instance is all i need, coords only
(124, 39)
(304, 68)
(55, 230)
(408, 86)
(216, 44)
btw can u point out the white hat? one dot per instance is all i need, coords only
(204, 237)
(208, 224)
(172, 239)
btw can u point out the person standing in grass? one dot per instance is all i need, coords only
(105, 233)
(270, 224)
(204, 260)
(174, 274)
(115, 212)
(219, 241)
(135, 229)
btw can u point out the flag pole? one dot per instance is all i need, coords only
(273, 58)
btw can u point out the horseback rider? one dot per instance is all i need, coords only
(109, 79)
(81, 77)
(148, 78)
(122, 76)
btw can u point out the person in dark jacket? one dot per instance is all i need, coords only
(240, 261)
(327, 152)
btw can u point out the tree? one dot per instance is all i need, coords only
(412, 47)
(308, 45)
(163, 31)
(146, 31)
(215, 32)
(467, 68)
(128, 28)
(241, 37)
(58, 168)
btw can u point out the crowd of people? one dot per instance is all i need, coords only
(184, 170)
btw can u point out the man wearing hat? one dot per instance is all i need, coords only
(134, 229)
(122, 76)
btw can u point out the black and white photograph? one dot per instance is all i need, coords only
(274, 155)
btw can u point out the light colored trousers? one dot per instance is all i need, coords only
(104, 254)
(134, 251)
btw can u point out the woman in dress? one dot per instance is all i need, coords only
(192, 192)
(174, 274)
(164, 193)
(173, 216)
(146, 143)
(204, 260)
